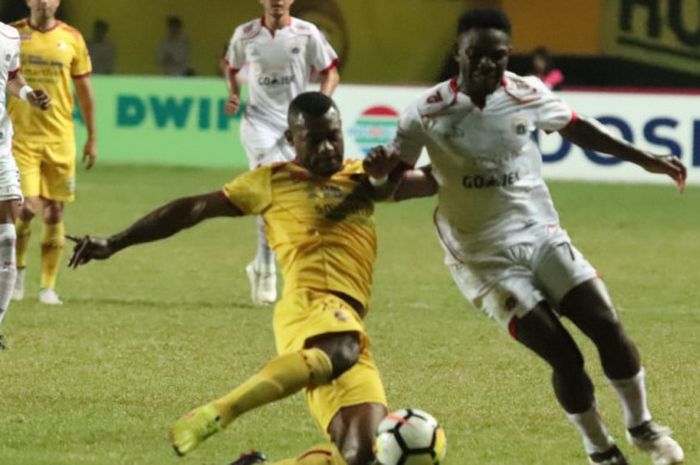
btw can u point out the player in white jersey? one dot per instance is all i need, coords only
(10, 193)
(497, 223)
(281, 52)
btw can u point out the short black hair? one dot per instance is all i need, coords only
(309, 103)
(484, 18)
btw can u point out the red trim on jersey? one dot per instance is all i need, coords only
(574, 118)
(334, 64)
(12, 74)
(504, 84)
(264, 24)
(56, 24)
(81, 76)
(513, 327)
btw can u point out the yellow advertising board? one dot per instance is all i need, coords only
(659, 32)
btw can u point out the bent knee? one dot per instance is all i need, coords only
(345, 356)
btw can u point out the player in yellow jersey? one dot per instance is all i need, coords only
(318, 215)
(53, 54)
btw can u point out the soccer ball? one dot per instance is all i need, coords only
(410, 437)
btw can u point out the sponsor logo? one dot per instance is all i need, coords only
(275, 80)
(375, 126)
(480, 181)
(520, 126)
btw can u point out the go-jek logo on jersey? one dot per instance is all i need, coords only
(376, 126)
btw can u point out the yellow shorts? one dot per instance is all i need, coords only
(46, 169)
(305, 313)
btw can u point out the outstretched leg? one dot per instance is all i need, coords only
(590, 308)
(541, 331)
(327, 358)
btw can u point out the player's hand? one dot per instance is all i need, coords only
(669, 165)
(89, 153)
(232, 104)
(380, 162)
(88, 248)
(39, 98)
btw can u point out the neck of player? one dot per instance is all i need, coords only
(42, 22)
(275, 23)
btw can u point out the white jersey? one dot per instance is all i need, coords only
(9, 66)
(280, 62)
(486, 164)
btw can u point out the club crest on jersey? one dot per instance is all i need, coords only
(520, 126)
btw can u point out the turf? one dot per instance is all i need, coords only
(164, 327)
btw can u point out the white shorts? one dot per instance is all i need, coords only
(9, 179)
(510, 282)
(265, 144)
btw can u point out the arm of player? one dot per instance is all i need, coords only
(36, 98)
(591, 135)
(161, 223)
(233, 102)
(86, 103)
(329, 81)
(394, 180)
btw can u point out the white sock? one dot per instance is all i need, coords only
(264, 257)
(633, 397)
(8, 268)
(595, 436)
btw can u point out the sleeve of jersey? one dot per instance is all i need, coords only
(553, 113)
(81, 66)
(251, 192)
(235, 56)
(409, 136)
(14, 63)
(320, 53)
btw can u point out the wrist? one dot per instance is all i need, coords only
(378, 182)
(24, 91)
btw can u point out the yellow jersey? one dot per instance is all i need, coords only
(50, 59)
(322, 229)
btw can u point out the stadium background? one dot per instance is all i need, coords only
(157, 330)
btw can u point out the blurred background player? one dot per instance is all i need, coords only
(327, 253)
(44, 143)
(504, 246)
(174, 54)
(103, 53)
(281, 53)
(12, 82)
(543, 68)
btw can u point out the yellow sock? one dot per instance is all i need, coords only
(51, 249)
(321, 454)
(24, 232)
(280, 377)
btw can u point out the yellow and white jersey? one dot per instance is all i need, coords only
(9, 67)
(321, 229)
(50, 59)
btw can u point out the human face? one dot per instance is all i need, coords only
(482, 56)
(276, 8)
(318, 142)
(43, 10)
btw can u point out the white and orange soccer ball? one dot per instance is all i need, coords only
(410, 437)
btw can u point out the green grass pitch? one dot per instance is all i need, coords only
(163, 327)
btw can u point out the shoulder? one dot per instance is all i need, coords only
(21, 25)
(248, 30)
(303, 28)
(524, 89)
(437, 98)
(8, 32)
(71, 31)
